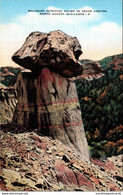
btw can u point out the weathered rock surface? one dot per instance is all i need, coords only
(8, 101)
(46, 99)
(50, 104)
(30, 162)
(55, 50)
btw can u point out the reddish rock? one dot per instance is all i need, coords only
(83, 181)
(112, 187)
(42, 146)
(36, 138)
(95, 180)
(64, 174)
(2, 163)
(67, 175)
(107, 166)
(97, 162)
(3, 185)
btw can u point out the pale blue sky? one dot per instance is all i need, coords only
(100, 34)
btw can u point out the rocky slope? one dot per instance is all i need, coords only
(32, 162)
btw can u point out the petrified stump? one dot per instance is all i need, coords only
(50, 104)
(47, 100)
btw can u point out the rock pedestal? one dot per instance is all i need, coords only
(50, 104)
(47, 100)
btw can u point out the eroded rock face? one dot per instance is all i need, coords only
(50, 104)
(8, 101)
(56, 50)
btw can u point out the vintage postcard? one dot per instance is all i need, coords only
(61, 100)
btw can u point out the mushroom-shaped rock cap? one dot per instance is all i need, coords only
(56, 50)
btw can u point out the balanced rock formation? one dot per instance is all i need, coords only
(47, 99)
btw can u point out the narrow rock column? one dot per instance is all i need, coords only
(59, 112)
(50, 104)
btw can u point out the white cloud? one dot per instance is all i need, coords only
(97, 41)
(106, 29)
(12, 37)
(11, 32)
(102, 40)
(107, 34)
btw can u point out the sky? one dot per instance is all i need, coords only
(100, 33)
